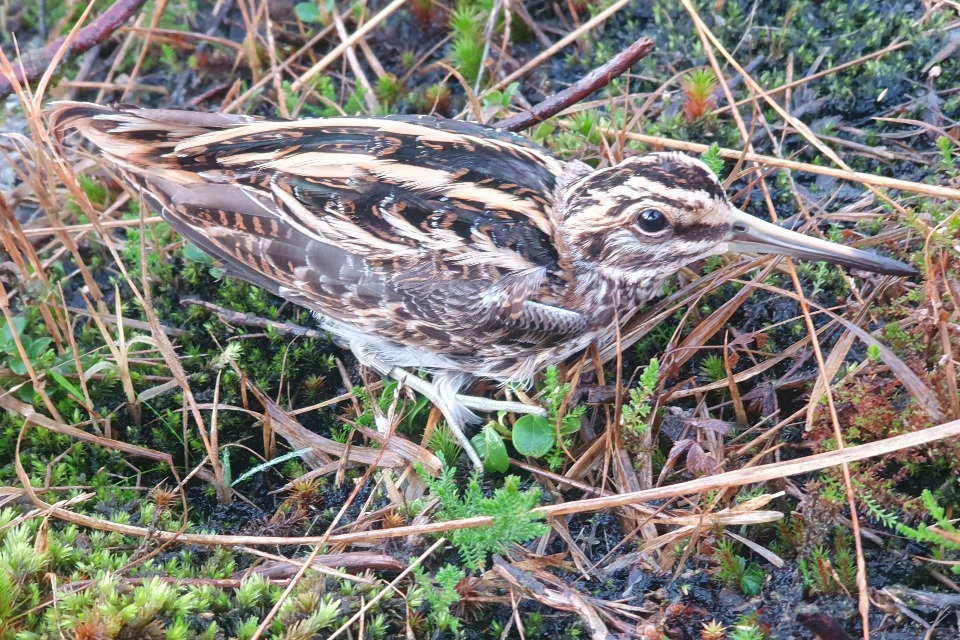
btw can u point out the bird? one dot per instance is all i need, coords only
(434, 245)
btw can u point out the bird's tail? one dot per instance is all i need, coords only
(131, 137)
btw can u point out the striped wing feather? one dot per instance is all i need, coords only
(421, 231)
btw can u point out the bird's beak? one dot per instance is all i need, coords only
(754, 235)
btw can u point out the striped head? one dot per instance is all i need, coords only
(646, 217)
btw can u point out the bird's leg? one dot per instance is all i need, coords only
(442, 393)
(430, 391)
(433, 394)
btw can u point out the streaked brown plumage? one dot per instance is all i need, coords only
(429, 243)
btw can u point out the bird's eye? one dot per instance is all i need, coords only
(652, 221)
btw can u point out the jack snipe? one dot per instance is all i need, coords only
(424, 243)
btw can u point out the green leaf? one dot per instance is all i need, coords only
(494, 98)
(65, 384)
(35, 347)
(491, 449)
(752, 580)
(6, 333)
(308, 12)
(26, 392)
(227, 467)
(195, 253)
(17, 367)
(542, 131)
(533, 436)
(570, 424)
(272, 463)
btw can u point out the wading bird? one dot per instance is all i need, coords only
(430, 244)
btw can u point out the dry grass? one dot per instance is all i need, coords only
(656, 514)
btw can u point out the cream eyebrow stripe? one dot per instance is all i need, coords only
(666, 191)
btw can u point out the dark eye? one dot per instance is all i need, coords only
(652, 221)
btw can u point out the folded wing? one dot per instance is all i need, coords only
(415, 229)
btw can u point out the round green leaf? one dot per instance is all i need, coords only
(533, 436)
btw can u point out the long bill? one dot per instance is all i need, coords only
(754, 235)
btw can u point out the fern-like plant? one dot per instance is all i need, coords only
(511, 509)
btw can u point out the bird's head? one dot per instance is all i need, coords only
(652, 214)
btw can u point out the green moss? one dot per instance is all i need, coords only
(298, 372)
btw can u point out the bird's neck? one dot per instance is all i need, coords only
(614, 300)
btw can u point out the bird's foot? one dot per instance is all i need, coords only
(455, 407)
(432, 393)
(489, 405)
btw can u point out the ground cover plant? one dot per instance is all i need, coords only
(771, 453)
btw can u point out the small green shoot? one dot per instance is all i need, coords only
(444, 444)
(817, 572)
(746, 628)
(441, 593)
(698, 99)
(735, 570)
(711, 158)
(466, 52)
(638, 407)
(948, 157)
(389, 90)
(713, 369)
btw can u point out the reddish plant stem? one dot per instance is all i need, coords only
(32, 65)
(596, 79)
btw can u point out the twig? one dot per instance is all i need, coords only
(236, 318)
(30, 66)
(337, 51)
(742, 477)
(560, 44)
(596, 79)
(369, 94)
(933, 190)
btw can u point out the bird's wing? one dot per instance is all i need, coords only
(384, 223)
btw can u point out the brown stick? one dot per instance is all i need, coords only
(34, 63)
(596, 79)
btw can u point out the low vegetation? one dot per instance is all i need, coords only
(183, 455)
